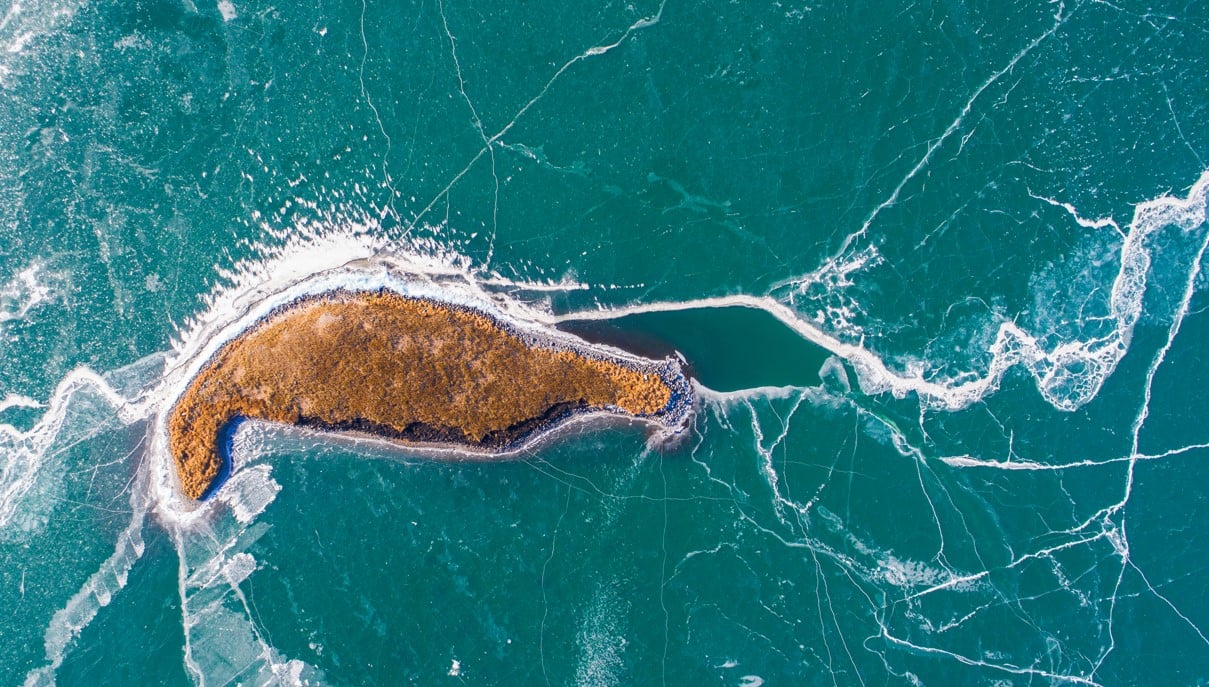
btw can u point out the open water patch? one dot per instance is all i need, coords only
(726, 348)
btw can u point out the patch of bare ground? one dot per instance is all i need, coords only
(402, 368)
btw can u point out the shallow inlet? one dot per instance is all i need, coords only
(727, 348)
(406, 369)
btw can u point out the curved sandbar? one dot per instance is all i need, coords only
(407, 369)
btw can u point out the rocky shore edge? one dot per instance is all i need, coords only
(202, 419)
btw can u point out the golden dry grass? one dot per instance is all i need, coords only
(404, 368)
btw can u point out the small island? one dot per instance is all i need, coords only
(406, 369)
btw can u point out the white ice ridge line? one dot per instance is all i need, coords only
(478, 125)
(30, 447)
(1100, 223)
(638, 25)
(1059, 19)
(728, 398)
(867, 363)
(1121, 542)
(959, 580)
(1172, 332)
(218, 567)
(390, 185)
(846, 565)
(1179, 129)
(1170, 605)
(967, 461)
(766, 457)
(1014, 670)
(96, 593)
(1053, 370)
(1103, 514)
(18, 401)
(564, 285)
(77, 379)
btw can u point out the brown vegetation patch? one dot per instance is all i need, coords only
(397, 367)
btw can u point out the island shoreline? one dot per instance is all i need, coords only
(669, 372)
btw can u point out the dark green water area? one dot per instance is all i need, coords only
(726, 349)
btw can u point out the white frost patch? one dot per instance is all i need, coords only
(18, 401)
(292, 673)
(248, 492)
(601, 642)
(911, 573)
(18, 44)
(25, 291)
(227, 10)
(132, 41)
(732, 399)
(239, 567)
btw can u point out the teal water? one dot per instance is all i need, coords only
(937, 268)
(725, 349)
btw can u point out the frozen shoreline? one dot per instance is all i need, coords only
(326, 391)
